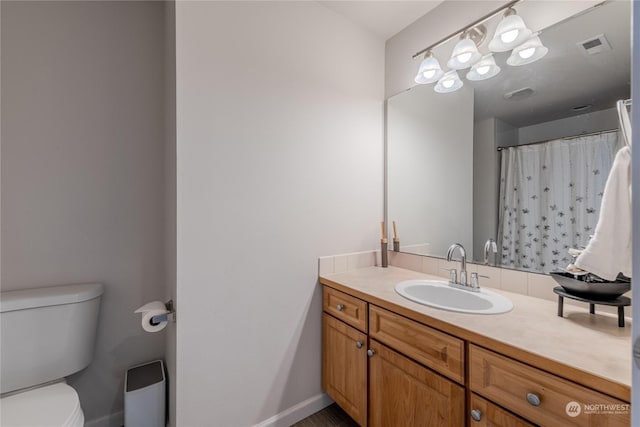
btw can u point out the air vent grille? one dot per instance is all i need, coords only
(594, 45)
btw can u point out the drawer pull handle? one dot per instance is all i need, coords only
(533, 399)
(370, 352)
(359, 344)
(340, 307)
(476, 414)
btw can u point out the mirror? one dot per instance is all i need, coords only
(445, 152)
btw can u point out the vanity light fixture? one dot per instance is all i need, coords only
(484, 69)
(464, 54)
(528, 52)
(511, 32)
(429, 71)
(450, 82)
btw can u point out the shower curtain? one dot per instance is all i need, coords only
(550, 195)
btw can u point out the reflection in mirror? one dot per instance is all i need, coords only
(521, 158)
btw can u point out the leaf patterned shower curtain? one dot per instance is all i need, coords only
(550, 195)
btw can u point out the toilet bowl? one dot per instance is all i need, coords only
(46, 335)
(52, 405)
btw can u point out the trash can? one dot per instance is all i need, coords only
(144, 395)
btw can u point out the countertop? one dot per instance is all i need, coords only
(588, 349)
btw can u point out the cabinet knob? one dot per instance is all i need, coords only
(340, 307)
(370, 352)
(533, 399)
(359, 344)
(476, 414)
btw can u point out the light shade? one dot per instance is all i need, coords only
(511, 32)
(528, 52)
(484, 69)
(464, 54)
(450, 82)
(429, 71)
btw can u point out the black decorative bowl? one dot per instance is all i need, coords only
(582, 286)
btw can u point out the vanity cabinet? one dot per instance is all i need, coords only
(386, 369)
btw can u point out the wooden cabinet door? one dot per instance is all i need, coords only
(404, 393)
(344, 367)
(483, 413)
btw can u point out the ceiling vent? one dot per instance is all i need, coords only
(594, 45)
(518, 94)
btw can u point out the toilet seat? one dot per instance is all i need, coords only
(53, 405)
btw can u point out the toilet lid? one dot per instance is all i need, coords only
(54, 405)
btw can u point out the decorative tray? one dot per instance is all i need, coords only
(590, 286)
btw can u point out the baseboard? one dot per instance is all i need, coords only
(297, 412)
(111, 420)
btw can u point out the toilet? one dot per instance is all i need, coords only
(46, 335)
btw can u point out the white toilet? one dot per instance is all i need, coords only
(46, 335)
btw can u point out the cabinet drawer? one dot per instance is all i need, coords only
(490, 415)
(437, 350)
(541, 397)
(349, 309)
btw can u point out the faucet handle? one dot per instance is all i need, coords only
(453, 274)
(475, 283)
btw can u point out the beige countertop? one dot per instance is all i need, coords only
(588, 349)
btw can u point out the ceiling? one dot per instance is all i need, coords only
(567, 76)
(383, 18)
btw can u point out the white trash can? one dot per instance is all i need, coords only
(145, 395)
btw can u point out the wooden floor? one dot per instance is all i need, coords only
(331, 416)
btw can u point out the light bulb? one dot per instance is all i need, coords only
(447, 83)
(429, 74)
(483, 70)
(509, 36)
(527, 53)
(463, 58)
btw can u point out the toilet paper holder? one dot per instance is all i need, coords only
(166, 317)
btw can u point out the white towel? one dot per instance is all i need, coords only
(609, 250)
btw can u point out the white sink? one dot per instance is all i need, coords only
(439, 294)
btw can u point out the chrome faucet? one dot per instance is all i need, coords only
(490, 245)
(463, 260)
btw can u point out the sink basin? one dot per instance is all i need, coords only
(439, 294)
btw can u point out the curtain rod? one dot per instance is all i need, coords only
(566, 138)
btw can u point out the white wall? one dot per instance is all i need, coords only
(279, 161)
(430, 168)
(486, 188)
(82, 169)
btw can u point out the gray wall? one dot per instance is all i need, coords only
(83, 169)
(170, 195)
(635, 94)
(486, 179)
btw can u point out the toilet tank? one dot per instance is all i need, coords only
(46, 333)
